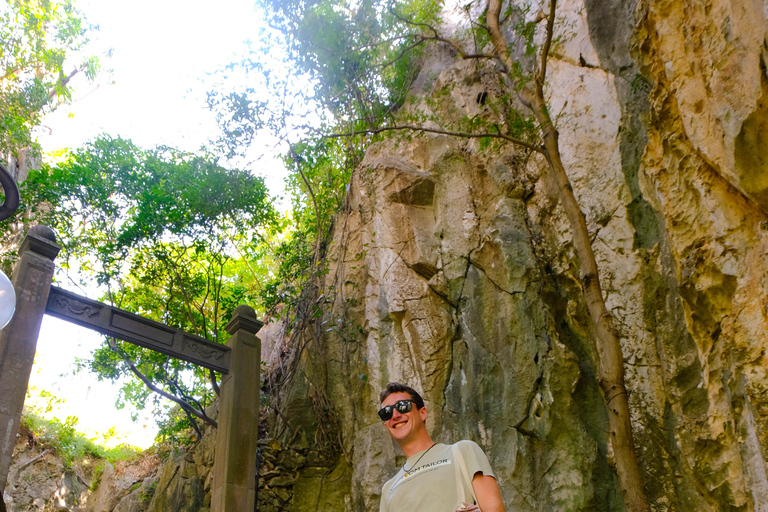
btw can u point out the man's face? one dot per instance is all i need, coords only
(405, 427)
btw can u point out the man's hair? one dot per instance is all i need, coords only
(396, 387)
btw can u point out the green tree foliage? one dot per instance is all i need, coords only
(72, 446)
(322, 66)
(169, 235)
(356, 54)
(319, 173)
(42, 44)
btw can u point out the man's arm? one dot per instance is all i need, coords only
(487, 493)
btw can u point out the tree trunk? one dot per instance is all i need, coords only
(611, 362)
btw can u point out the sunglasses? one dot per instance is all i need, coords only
(403, 406)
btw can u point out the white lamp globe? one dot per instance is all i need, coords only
(7, 300)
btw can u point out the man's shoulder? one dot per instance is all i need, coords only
(474, 457)
(388, 484)
(467, 445)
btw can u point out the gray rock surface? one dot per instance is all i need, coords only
(452, 269)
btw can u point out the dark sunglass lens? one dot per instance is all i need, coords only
(403, 406)
(385, 413)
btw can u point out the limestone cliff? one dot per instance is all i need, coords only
(452, 269)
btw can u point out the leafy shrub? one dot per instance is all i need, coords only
(71, 445)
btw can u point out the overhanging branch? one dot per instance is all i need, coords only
(187, 408)
(463, 135)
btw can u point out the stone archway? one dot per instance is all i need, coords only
(234, 472)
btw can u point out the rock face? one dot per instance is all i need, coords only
(452, 269)
(38, 480)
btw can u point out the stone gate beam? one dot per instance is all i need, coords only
(31, 279)
(234, 468)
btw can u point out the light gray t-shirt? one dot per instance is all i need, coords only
(430, 486)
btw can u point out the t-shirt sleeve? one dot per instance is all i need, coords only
(475, 457)
(383, 501)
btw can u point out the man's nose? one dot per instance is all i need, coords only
(396, 414)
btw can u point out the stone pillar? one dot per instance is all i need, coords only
(234, 467)
(31, 279)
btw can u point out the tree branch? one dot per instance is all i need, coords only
(174, 384)
(184, 405)
(437, 37)
(211, 373)
(143, 378)
(497, 39)
(63, 83)
(193, 423)
(297, 160)
(217, 301)
(464, 135)
(186, 297)
(382, 42)
(542, 75)
(413, 23)
(385, 65)
(30, 461)
(610, 360)
(214, 383)
(248, 263)
(460, 51)
(201, 309)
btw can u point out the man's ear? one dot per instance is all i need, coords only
(423, 413)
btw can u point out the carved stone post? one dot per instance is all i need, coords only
(32, 281)
(234, 468)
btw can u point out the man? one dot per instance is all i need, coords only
(428, 480)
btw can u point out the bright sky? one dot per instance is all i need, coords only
(163, 52)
